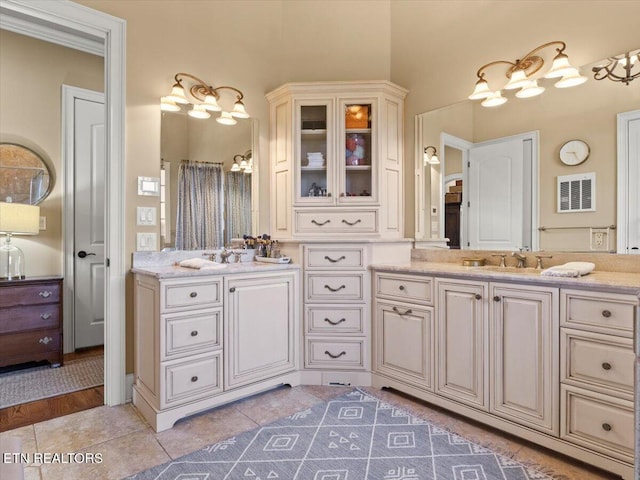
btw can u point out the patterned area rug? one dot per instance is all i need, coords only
(24, 386)
(353, 437)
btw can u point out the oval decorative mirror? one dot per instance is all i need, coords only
(25, 175)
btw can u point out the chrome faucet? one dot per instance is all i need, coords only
(539, 261)
(521, 259)
(224, 255)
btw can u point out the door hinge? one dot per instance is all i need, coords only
(468, 203)
(468, 164)
(468, 244)
(108, 262)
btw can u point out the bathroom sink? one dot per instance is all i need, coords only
(510, 270)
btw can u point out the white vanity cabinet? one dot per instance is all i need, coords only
(201, 341)
(337, 159)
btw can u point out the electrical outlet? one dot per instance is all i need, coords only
(600, 239)
(146, 242)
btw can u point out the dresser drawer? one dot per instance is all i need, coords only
(348, 258)
(30, 294)
(599, 422)
(189, 380)
(343, 320)
(180, 295)
(593, 360)
(404, 287)
(30, 343)
(356, 221)
(601, 312)
(17, 319)
(327, 353)
(191, 333)
(334, 287)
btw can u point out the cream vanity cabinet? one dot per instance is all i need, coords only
(201, 341)
(337, 159)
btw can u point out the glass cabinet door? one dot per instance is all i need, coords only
(356, 154)
(314, 156)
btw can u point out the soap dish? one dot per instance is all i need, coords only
(273, 260)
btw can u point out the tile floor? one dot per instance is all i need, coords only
(129, 445)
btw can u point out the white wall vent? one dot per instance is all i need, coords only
(577, 193)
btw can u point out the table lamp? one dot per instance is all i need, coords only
(16, 219)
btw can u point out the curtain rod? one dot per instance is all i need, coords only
(201, 161)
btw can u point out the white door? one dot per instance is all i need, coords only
(496, 195)
(628, 182)
(89, 204)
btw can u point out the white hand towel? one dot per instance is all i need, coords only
(196, 263)
(569, 269)
(582, 267)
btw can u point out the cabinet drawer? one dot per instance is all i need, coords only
(17, 319)
(192, 332)
(335, 258)
(602, 312)
(327, 353)
(189, 380)
(191, 294)
(404, 287)
(334, 287)
(345, 221)
(33, 343)
(343, 320)
(30, 294)
(594, 360)
(599, 422)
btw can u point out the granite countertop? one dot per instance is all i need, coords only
(622, 282)
(175, 271)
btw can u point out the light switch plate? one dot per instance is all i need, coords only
(149, 186)
(146, 242)
(146, 216)
(43, 223)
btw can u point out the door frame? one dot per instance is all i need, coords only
(624, 162)
(83, 28)
(69, 95)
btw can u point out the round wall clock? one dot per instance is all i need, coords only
(574, 152)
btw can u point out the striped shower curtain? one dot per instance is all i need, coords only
(200, 221)
(238, 201)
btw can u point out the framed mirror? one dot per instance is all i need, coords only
(204, 145)
(26, 176)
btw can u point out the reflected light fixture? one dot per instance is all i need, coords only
(16, 219)
(521, 73)
(430, 159)
(245, 164)
(619, 68)
(204, 98)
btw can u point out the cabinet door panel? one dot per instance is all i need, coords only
(462, 337)
(524, 361)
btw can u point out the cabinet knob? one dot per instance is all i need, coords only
(606, 313)
(478, 296)
(607, 427)
(193, 294)
(194, 333)
(45, 316)
(194, 378)
(45, 340)
(606, 366)
(327, 352)
(401, 287)
(45, 293)
(331, 322)
(232, 289)
(496, 298)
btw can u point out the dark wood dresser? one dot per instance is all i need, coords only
(31, 321)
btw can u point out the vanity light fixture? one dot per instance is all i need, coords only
(622, 64)
(204, 99)
(246, 162)
(521, 75)
(430, 159)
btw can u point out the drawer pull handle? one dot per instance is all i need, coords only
(327, 352)
(607, 427)
(406, 312)
(46, 340)
(45, 316)
(194, 378)
(496, 298)
(194, 333)
(193, 294)
(232, 289)
(335, 323)
(335, 260)
(606, 366)
(45, 294)
(335, 289)
(351, 224)
(606, 313)
(478, 296)
(401, 287)
(315, 222)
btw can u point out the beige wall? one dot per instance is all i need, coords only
(31, 75)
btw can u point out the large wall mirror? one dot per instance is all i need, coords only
(536, 128)
(190, 149)
(26, 176)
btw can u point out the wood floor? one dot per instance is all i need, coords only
(48, 408)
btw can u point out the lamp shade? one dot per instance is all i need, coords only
(19, 219)
(518, 80)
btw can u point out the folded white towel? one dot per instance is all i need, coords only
(569, 269)
(196, 263)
